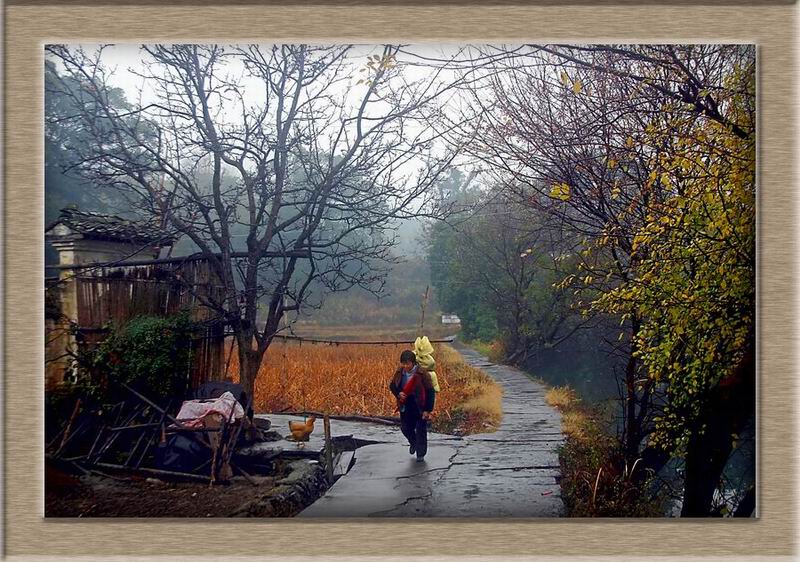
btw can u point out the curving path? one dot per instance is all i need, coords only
(511, 472)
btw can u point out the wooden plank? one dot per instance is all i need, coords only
(135, 426)
(342, 463)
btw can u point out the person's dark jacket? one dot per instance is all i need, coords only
(423, 390)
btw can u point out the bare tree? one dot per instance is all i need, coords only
(284, 171)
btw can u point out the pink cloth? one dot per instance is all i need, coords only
(193, 411)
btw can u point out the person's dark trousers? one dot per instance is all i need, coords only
(415, 429)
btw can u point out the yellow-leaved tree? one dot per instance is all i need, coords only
(694, 285)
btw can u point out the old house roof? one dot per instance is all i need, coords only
(74, 223)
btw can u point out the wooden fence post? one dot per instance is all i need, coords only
(328, 449)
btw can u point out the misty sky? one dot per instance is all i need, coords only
(128, 66)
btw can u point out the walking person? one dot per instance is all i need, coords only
(413, 388)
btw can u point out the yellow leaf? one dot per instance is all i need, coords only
(612, 163)
(629, 142)
(564, 78)
(577, 86)
(560, 191)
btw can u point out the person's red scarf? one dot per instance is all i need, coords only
(409, 388)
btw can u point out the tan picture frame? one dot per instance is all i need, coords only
(29, 25)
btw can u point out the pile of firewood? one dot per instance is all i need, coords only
(123, 439)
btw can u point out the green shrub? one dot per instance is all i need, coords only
(151, 354)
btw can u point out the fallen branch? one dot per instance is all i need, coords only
(69, 425)
(152, 471)
(383, 420)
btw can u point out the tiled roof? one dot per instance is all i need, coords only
(109, 227)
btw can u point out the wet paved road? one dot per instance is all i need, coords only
(511, 472)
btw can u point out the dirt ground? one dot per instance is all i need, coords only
(97, 496)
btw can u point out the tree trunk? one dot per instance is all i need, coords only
(731, 404)
(249, 364)
(706, 456)
(633, 433)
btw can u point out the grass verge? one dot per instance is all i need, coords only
(492, 350)
(595, 480)
(480, 408)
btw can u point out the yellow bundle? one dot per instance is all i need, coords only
(424, 352)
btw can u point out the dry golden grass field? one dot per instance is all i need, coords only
(354, 379)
